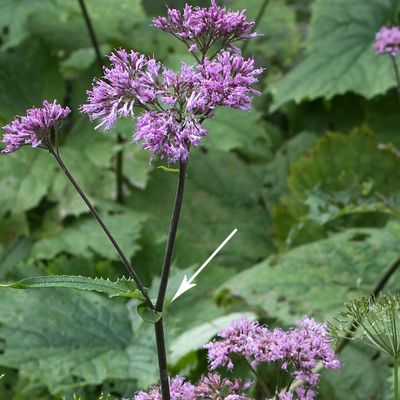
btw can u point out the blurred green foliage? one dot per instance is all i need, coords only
(309, 177)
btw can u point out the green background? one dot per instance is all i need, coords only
(310, 177)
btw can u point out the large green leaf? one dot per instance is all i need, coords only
(221, 194)
(340, 56)
(120, 288)
(232, 130)
(18, 89)
(64, 339)
(25, 179)
(14, 19)
(342, 176)
(85, 237)
(317, 278)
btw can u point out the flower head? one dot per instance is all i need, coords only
(297, 351)
(166, 135)
(227, 81)
(131, 80)
(179, 389)
(200, 27)
(173, 104)
(33, 128)
(387, 41)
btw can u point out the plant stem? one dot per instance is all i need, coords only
(120, 155)
(257, 21)
(396, 379)
(397, 74)
(124, 259)
(159, 328)
(259, 378)
(92, 33)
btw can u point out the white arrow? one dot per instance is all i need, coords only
(187, 284)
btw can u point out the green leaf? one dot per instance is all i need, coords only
(340, 56)
(221, 194)
(63, 340)
(26, 178)
(232, 130)
(121, 288)
(14, 20)
(18, 91)
(361, 376)
(317, 278)
(85, 237)
(332, 184)
(173, 170)
(148, 314)
(279, 39)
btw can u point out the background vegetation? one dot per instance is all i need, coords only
(310, 178)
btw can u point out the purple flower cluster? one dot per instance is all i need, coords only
(200, 28)
(173, 105)
(387, 41)
(296, 351)
(211, 387)
(33, 128)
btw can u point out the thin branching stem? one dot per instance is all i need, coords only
(260, 14)
(98, 218)
(120, 155)
(258, 377)
(92, 33)
(159, 328)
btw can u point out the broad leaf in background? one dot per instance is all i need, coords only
(341, 176)
(233, 130)
(14, 18)
(279, 39)
(25, 179)
(364, 372)
(85, 237)
(221, 194)
(62, 24)
(28, 83)
(64, 339)
(340, 56)
(316, 279)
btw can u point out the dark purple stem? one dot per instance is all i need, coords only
(120, 156)
(97, 216)
(159, 327)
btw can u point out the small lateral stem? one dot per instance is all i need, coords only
(257, 21)
(92, 33)
(259, 378)
(97, 216)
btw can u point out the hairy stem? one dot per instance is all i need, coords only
(257, 21)
(395, 379)
(119, 156)
(397, 74)
(98, 218)
(258, 377)
(159, 328)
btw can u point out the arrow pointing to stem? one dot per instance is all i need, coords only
(187, 284)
